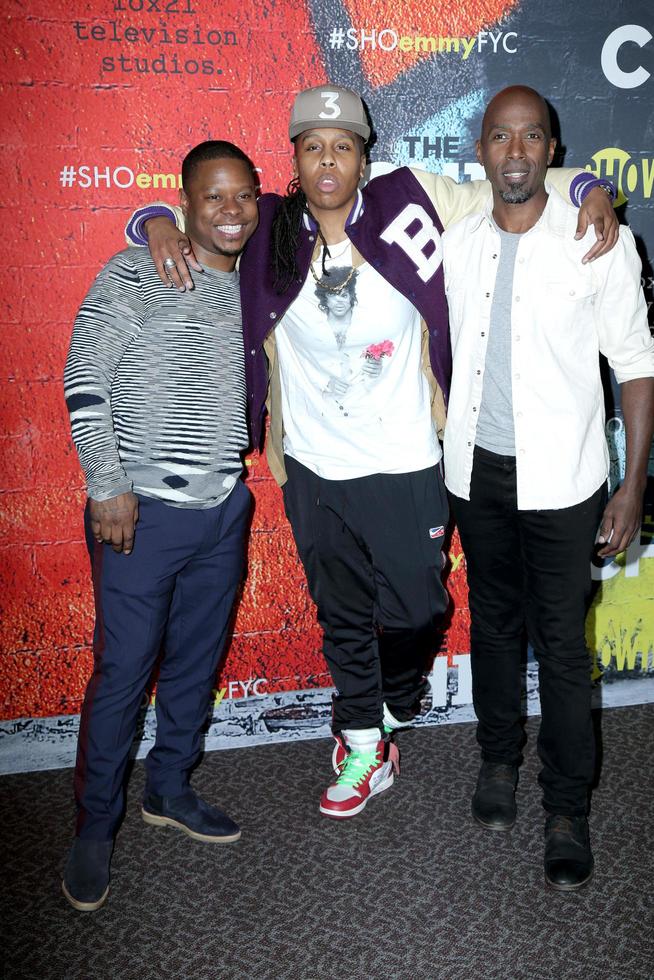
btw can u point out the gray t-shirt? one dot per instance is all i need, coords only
(495, 430)
(155, 384)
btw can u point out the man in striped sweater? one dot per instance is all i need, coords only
(156, 393)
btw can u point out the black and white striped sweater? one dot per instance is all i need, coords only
(155, 384)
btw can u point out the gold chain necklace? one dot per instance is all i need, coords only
(333, 289)
(320, 282)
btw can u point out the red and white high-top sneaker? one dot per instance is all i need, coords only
(365, 770)
(391, 725)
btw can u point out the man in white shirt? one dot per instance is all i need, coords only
(526, 461)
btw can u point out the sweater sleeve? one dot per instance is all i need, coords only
(109, 319)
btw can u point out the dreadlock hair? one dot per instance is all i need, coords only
(285, 234)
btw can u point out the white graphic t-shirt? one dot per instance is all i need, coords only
(354, 398)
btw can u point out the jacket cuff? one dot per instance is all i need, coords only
(135, 231)
(583, 183)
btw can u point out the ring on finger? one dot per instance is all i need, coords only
(169, 263)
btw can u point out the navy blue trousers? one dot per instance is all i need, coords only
(175, 591)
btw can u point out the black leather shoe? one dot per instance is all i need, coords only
(493, 804)
(191, 815)
(568, 857)
(86, 878)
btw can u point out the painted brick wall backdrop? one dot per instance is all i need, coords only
(100, 102)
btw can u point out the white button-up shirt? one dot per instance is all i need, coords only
(563, 314)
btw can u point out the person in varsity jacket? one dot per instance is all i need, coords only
(155, 388)
(360, 469)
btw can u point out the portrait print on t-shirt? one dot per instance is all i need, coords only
(354, 375)
(354, 398)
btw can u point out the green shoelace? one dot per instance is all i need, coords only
(356, 767)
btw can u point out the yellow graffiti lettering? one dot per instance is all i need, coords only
(456, 560)
(621, 646)
(619, 655)
(468, 45)
(219, 695)
(425, 44)
(448, 44)
(164, 180)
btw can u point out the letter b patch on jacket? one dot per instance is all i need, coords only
(423, 247)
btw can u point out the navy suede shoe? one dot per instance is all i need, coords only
(191, 815)
(86, 878)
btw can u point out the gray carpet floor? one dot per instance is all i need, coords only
(410, 889)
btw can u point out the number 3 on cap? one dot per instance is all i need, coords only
(331, 102)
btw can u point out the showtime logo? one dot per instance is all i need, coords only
(628, 174)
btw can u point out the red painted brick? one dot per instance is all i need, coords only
(56, 464)
(44, 683)
(57, 605)
(257, 466)
(56, 51)
(34, 352)
(16, 463)
(63, 676)
(382, 67)
(60, 238)
(19, 685)
(458, 634)
(288, 58)
(38, 284)
(12, 301)
(103, 231)
(54, 236)
(47, 51)
(33, 405)
(17, 629)
(273, 597)
(41, 516)
(39, 117)
(288, 659)
(269, 508)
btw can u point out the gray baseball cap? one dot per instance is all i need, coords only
(329, 106)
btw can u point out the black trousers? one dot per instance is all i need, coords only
(371, 550)
(530, 568)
